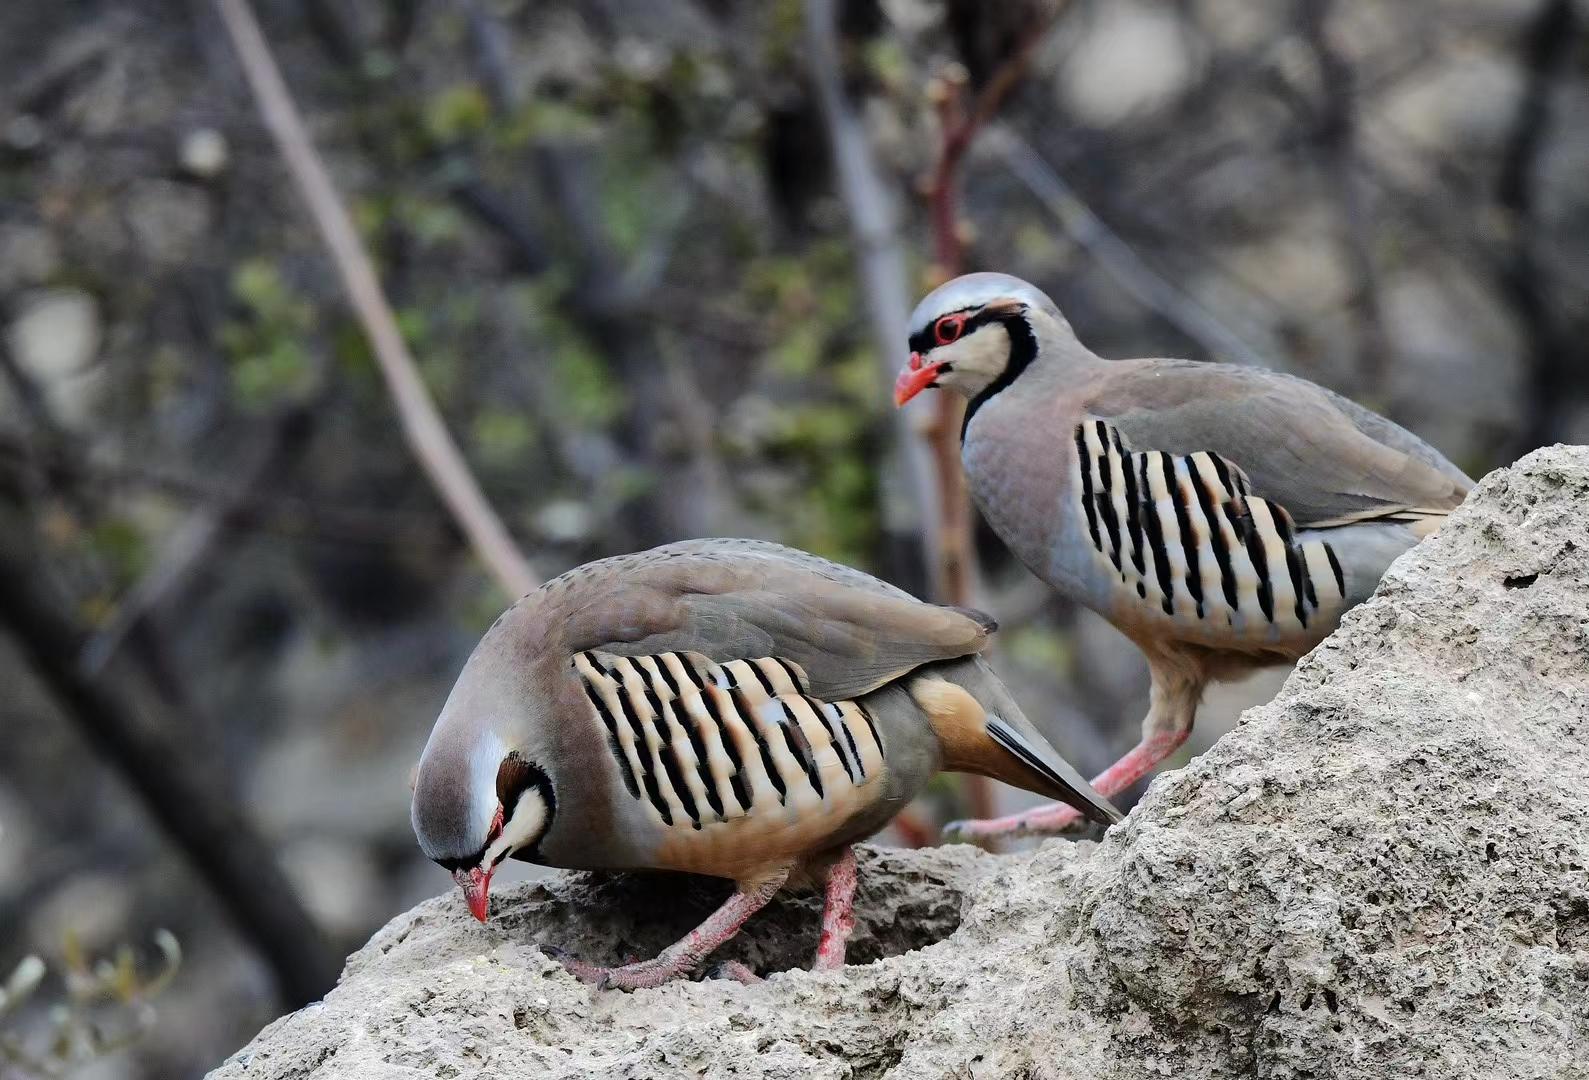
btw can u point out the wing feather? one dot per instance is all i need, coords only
(732, 599)
(1322, 457)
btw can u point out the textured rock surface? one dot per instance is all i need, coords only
(1383, 873)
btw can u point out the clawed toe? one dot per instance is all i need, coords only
(642, 976)
(958, 831)
(626, 977)
(734, 971)
(972, 831)
(587, 973)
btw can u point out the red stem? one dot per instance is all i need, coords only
(953, 576)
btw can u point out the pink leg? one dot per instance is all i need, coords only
(684, 955)
(1174, 701)
(838, 914)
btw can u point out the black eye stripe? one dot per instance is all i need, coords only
(985, 317)
(925, 339)
(975, 318)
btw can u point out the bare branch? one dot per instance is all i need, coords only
(526, 249)
(954, 572)
(423, 428)
(72, 474)
(221, 844)
(491, 55)
(605, 299)
(959, 131)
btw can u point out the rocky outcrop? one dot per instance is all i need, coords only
(1382, 873)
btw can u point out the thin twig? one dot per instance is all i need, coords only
(46, 431)
(423, 428)
(527, 252)
(954, 572)
(39, 479)
(959, 131)
(1089, 232)
(185, 554)
(159, 762)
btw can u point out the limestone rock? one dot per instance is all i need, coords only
(1382, 873)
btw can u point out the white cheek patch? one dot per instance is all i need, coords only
(522, 827)
(977, 359)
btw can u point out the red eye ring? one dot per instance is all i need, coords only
(948, 329)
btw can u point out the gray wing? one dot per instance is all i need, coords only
(1322, 457)
(733, 599)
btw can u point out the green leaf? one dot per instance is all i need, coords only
(281, 371)
(457, 112)
(502, 438)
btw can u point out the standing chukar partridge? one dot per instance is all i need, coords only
(723, 707)
(1221, 517)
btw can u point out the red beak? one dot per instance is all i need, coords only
(476, 886)
(914, 379)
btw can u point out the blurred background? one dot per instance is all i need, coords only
(652, 260)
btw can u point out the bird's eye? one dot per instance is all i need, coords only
(949, 328)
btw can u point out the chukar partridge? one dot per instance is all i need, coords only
(723, 707)
(1221, 517)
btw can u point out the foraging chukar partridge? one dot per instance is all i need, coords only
(1221, 517)
(723, 707)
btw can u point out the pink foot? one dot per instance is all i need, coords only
(684, 955)
(1042, 821)
(638, 976)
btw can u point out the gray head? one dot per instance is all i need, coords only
(975, 334)
(480, 794)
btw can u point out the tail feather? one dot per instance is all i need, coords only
(981, 729)
(1423, 520)
(1073, 789)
